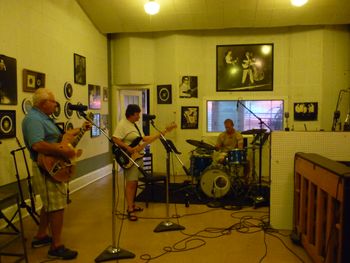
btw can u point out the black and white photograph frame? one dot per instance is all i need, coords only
(247, 67)
(188, 87)
(305, 111)
(79, 69)
(164, 94)
(189, 117)
(8, 80)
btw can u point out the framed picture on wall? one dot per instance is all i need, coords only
(244, 67)
(94, 97)
(8, 80)
(188, 87)
(97, 120)
(79, 69)
(189, 117)
(305, 111)
(164, 94)
(7, 124)
(33, 80)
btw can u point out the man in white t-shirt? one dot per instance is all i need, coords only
(125, 135)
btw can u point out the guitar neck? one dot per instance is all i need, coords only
(78, 137)
(143, 145)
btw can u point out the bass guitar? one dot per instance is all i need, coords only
(124, 160)
(59, 168)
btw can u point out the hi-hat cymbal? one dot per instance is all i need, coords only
(201, 144)
(254, 131)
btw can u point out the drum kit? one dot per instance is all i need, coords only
(220, 174)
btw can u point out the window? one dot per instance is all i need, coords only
(270, 112)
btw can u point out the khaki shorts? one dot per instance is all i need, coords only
(53, 194)
(133, 173)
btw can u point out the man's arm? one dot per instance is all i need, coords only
(240, 141)
(55, 149)
(125, 146)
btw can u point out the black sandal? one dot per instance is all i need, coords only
(137, 209)
(132, 216)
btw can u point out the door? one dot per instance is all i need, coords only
(127, 97)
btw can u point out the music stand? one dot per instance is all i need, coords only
(167, 225)
(112, 252)
(30, 209)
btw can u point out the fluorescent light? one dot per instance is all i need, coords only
(298, 2)
(151, 7)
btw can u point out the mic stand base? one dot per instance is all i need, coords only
(260, 201)
(261, 197)
(168, 226)
(113, 253)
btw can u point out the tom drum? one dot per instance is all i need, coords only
(236, 156)
(199, 163)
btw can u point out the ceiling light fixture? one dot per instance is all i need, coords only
(298, 2)
(151, 7)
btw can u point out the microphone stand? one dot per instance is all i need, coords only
(112, 252)
(169, 147)
(259, 199)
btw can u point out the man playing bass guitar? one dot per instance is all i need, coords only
(131, 139)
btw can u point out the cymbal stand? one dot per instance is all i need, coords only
(259, 199)
(170, 148)
(112, 252)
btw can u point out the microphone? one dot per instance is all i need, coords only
(77, 107)
(148, 117)
(237, 105)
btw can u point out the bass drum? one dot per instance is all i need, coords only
(215, 182)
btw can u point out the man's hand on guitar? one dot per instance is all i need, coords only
(67, 151)
(87, 125)
(135, 149)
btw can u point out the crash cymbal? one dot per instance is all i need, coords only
(254, 131)
(201, 144)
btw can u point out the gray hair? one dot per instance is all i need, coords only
(40, 95)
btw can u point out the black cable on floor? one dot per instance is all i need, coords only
(247, 225)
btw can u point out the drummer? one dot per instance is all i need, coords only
(229, 139)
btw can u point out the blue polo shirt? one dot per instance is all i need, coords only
(38, 127)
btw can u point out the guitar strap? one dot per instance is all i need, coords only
(59, 128)
(137, 128)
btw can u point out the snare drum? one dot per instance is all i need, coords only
(199, 163)
(215, 182)
(236, 156)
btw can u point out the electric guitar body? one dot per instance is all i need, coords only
(58, 168)
(123, 158)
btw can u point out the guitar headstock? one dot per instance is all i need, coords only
(170, 126)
